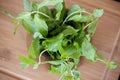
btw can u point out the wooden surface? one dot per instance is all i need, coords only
(106, 38)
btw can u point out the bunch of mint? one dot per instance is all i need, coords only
(63, 34)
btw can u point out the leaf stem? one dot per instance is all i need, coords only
(42, 14)
(72, 75)
(73, 14)
(38, 13)
(41, 55)
(8, 14)
(70, 16)
(88, 13)
(89, 24)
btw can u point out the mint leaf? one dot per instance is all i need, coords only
(112, 65)
(56, 62)
(52, 43)
(55, 69)
(23, 15)
(58, 8)
(29, 25)
(24, 65)
(46, 11)
(72, 50)
(60, 11)
(34, 49)
(98, 12)
(26, 60)
(92, 27)
(35, 5)
(70, 31)
(88, 50)
(49, 2)
(27, 6)
(37, 34)
(100, 58)
(62, 52)
(76, 74)
(36, 66)
(73, 9)
(67, 78)
(41, 25)
(58, 69)
(80, 18)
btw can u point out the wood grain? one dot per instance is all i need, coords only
(106, 39)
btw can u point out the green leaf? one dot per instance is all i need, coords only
(27, 6)
(34, 49)
(69, 66)
(70, 31)
(52, 24)
(58, 8)
(57, 30)
(73, 50)
(26, 60)
(92, 27)
(88, 50)
(35, 5)
(36, 66)
(73, 9)
(62, 52)
(16, 28)
(37, 34)
(51, 44)
(46, 11)
(29, 25)
(24, 65)
(80, 18)
(54, 69)
(76, 74)
(80, 37)
(112, 65)
(23, 15)
(49, 2)
(76, 61)
(76, 45)
(41, 25)
(67, 78)
(100, 58)
(65, 42)
(60, 11)
(58, 69)
(98, 12)
(56, 62)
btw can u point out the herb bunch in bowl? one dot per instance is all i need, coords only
(63, 34)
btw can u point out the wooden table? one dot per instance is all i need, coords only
(106, 38)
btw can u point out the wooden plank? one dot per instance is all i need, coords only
(114, 74)
(106, 34)
(6, 77)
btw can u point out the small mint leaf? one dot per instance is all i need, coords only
(26, 60)
(112, 65)
(36, 66)
(24, 65)
(37, 34)
(27, 5)
(98, 12)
